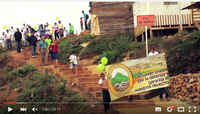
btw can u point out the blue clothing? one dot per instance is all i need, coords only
(54, 55)
(33, 50)
(18, 45)
(43, 44)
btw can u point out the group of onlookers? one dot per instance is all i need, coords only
(84, 21)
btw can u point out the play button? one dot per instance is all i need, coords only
(9, 109)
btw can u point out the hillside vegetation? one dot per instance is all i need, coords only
(182, 49)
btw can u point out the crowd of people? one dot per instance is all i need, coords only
(44, 36)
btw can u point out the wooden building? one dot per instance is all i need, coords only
(195, 7)
(168, 16)
(121, 17)
(111, 17)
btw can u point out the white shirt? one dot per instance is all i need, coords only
(73, 59)
(153, 53)
(60, 26)
(8, 35)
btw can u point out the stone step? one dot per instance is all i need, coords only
(88, 79)
(94, 89)
(87, 85)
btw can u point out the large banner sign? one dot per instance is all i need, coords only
(137, 76)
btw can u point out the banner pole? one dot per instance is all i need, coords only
(146, 40)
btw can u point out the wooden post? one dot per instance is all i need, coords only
(146, 41)
(151, 33)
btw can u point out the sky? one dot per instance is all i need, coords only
(35, 12)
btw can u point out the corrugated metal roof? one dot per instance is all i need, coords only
(193, 6)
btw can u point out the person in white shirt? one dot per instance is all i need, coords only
(61, 29)
(3, 39)
(8, 39)
(65, 32)
(153, 52)
(74, 63)
(12, 31)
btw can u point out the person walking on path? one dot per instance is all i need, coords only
(74, 63)
(33, 42)
(71, 29)
(81, 22)
(86, 17)
(61, 29)
(43, 51)
(8, 39)
(54, 49)
(56, 33)
(106, 95)
(18, 39)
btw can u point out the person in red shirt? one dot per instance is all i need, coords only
(81, 22)
(54, 48)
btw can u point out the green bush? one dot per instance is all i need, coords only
(184, 57)
(112, 47)
(3, 81)
(21, 72)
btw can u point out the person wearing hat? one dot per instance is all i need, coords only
(105, 93)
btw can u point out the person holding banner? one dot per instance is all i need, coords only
(106, 95)
(161, 90)
(153, 52)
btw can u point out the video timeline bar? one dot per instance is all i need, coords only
(21, 103)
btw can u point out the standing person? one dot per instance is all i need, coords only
(165, 90)
(71, 29)
(56, 35)
(65, 32)
(74, 63)
(24, 27)
(153, 52)
(18, 39)
(106, 95)
(26, 35)
(43, 51)
(54, 49)
(33, 42)
(3, 39)
(42, 31)
(81, 22)
(8, 39)
(48, 40)
(61, 29)
(12, 31)
(86, 17)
